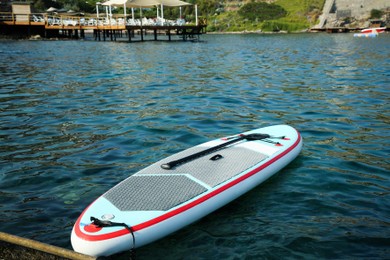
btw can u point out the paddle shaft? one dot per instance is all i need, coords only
(250, 137)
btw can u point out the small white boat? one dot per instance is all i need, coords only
(370, 32)
(374, 30)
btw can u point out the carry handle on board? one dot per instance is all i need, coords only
(250, 137)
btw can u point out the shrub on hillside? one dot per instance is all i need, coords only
(261, 11)
(376, 14)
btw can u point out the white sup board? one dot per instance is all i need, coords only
(181, 189)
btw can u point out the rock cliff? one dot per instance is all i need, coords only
(351, 12)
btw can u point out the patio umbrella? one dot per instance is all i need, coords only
(51, 9)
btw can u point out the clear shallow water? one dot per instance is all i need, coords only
(78, 117)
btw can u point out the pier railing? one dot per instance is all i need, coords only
(21, 19)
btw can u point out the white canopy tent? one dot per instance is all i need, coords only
(111, 3)
(173, 3)
(140, 4)
(148, 4)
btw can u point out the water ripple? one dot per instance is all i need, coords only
(78, 117)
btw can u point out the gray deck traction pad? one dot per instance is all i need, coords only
(157, 189)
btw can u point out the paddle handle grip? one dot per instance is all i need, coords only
(250, 137)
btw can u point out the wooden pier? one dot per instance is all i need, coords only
(72, 27)
(335, 29)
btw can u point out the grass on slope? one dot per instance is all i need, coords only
(301, 14)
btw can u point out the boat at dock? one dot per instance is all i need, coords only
(374, 30)
(370, 32)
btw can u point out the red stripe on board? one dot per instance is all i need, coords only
(186, 207)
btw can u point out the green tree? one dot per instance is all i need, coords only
(43, 5)
(208, 7)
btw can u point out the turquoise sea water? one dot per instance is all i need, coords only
(77, 117)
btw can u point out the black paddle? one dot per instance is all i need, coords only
(250, 137)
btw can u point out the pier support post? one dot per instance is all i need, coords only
(97, 35)
(184, 34)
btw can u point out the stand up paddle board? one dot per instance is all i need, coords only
(181, 189)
